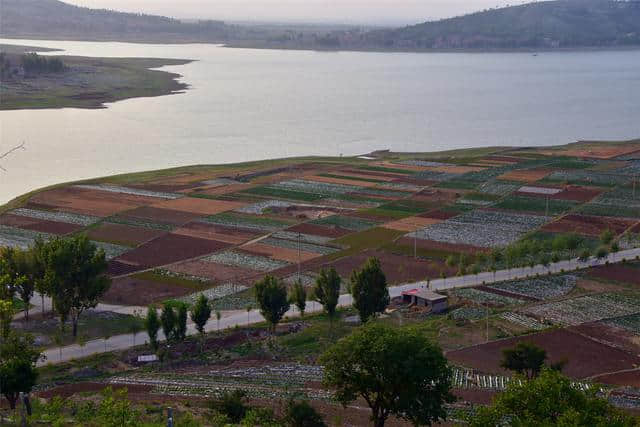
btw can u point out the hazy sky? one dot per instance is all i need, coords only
(339, 11)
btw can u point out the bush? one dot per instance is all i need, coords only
(231, 405)
(301, 414)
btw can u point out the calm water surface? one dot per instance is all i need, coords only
(249, 104)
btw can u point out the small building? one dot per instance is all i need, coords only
(426, 298)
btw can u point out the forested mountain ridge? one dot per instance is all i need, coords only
(55, 19)
(548, 24)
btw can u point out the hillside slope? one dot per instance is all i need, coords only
(55, 19)
(560, 23)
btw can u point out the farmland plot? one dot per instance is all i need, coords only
(316, 187)
(132, 191)
(246, 260)
(524, 321)
(589, 308)
(68, 218)
(586, 177)
(346, 222)
(250, 222)
(303, 237)
(482, 228)
(215, 293)
(540, 288)
(498, 188)
(630, 323)
(19, 238)
(265, 382)
(481, 297)
(306, 247)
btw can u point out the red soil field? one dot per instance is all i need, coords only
(221, 233)
(319, 230)
(282, 254)
(199, 206)
(217, 273)
(438, 214)
(610, 335)
(577, 193)
(44, 226)
(440, 246)
(624, 379)
(411, 223)
(123, 234)
(171, 248)
(118, 268)
(436, 196)
(160, 216)
(397, 268)
(588, 225)
(90, 202)
(585, 357)
(616, 272)
(132, 291)
(525, 175)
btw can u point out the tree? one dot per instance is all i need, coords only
(549, 400)
(602, 252)
(152, 325)
(271, 296)
(16, 375)
(218, 316)
(369, 290)
(168, 320)
(301, 414)
(232, 404)
(327, 291)
(606, 237)
(396, 371)
(298, 297)
(525, 358)
(180, 332)
(200, 314)
(6, 316)
(75, 272)
(18, 358)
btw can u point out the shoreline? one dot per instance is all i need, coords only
(240, 44)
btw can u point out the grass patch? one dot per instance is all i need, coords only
(281, 193)
(368, 239)
(535, 204)
(353, 178)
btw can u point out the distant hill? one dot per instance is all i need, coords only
(548, 24)
(55, 19)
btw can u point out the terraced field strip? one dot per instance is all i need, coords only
(133, 191)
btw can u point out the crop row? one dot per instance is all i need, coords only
(482, 228)
(317, 187)
(306, 247)
(245, 260)
(132, 191)
(469, 313)
(250, 222)
(215, 293)
(522, 320)
(68, 218)
(540, 288)
(482, 297)
(498, 188)
(18, 237)
(259, 207)
(589, 308)
(303, 237)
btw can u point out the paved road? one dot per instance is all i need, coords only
(242, 318)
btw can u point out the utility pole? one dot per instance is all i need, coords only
(299, 256)
(487, 306)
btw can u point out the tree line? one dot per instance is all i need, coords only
(37, 64)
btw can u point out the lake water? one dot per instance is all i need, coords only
(249, 104)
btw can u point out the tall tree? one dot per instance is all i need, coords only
(396, 371)
(152, 325)
(369, 290)
(549, 400)
(327, 291)
(75, 272)
(200, 314)
(271, 295)
(168, 320)
(525, 358)
(298, 296)
(18, 358)
(181, 322)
